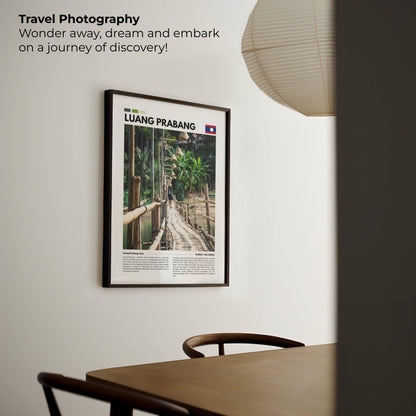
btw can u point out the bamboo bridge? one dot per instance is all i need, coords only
(184, 236)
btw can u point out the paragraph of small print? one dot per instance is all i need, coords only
(140, 263)
(183, 266)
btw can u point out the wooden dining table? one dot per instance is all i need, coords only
(281, 382)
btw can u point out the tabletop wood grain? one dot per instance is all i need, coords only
(286, 382)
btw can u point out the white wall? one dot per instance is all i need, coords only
(54, 314)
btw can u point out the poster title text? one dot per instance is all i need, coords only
(161, 122)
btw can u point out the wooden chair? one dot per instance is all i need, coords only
(121, 402)
(234, 338)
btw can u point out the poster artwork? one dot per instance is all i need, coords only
(168, 209)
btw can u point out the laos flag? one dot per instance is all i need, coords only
(210, 129)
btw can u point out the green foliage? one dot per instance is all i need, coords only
(179, 191)
(125, 181)
(192, 172)
(194, 169)
(142, 160)
(143, 169)
(206, 150)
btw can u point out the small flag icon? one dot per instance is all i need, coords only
(210, 129)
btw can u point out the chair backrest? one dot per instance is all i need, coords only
(234, 338)
(122, 402)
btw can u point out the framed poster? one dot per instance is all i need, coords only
(166, 192)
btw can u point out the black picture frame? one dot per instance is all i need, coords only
(202, 133)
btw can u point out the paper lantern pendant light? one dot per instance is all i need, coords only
(288, 47)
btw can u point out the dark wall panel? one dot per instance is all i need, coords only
(376, 168)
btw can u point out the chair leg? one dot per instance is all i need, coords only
(52, 404)
(221, 348)
(119, 410)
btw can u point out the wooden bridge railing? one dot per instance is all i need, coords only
(132, 215)
(156, 242)
(157, 230)
(137, 212)
(185, 210)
